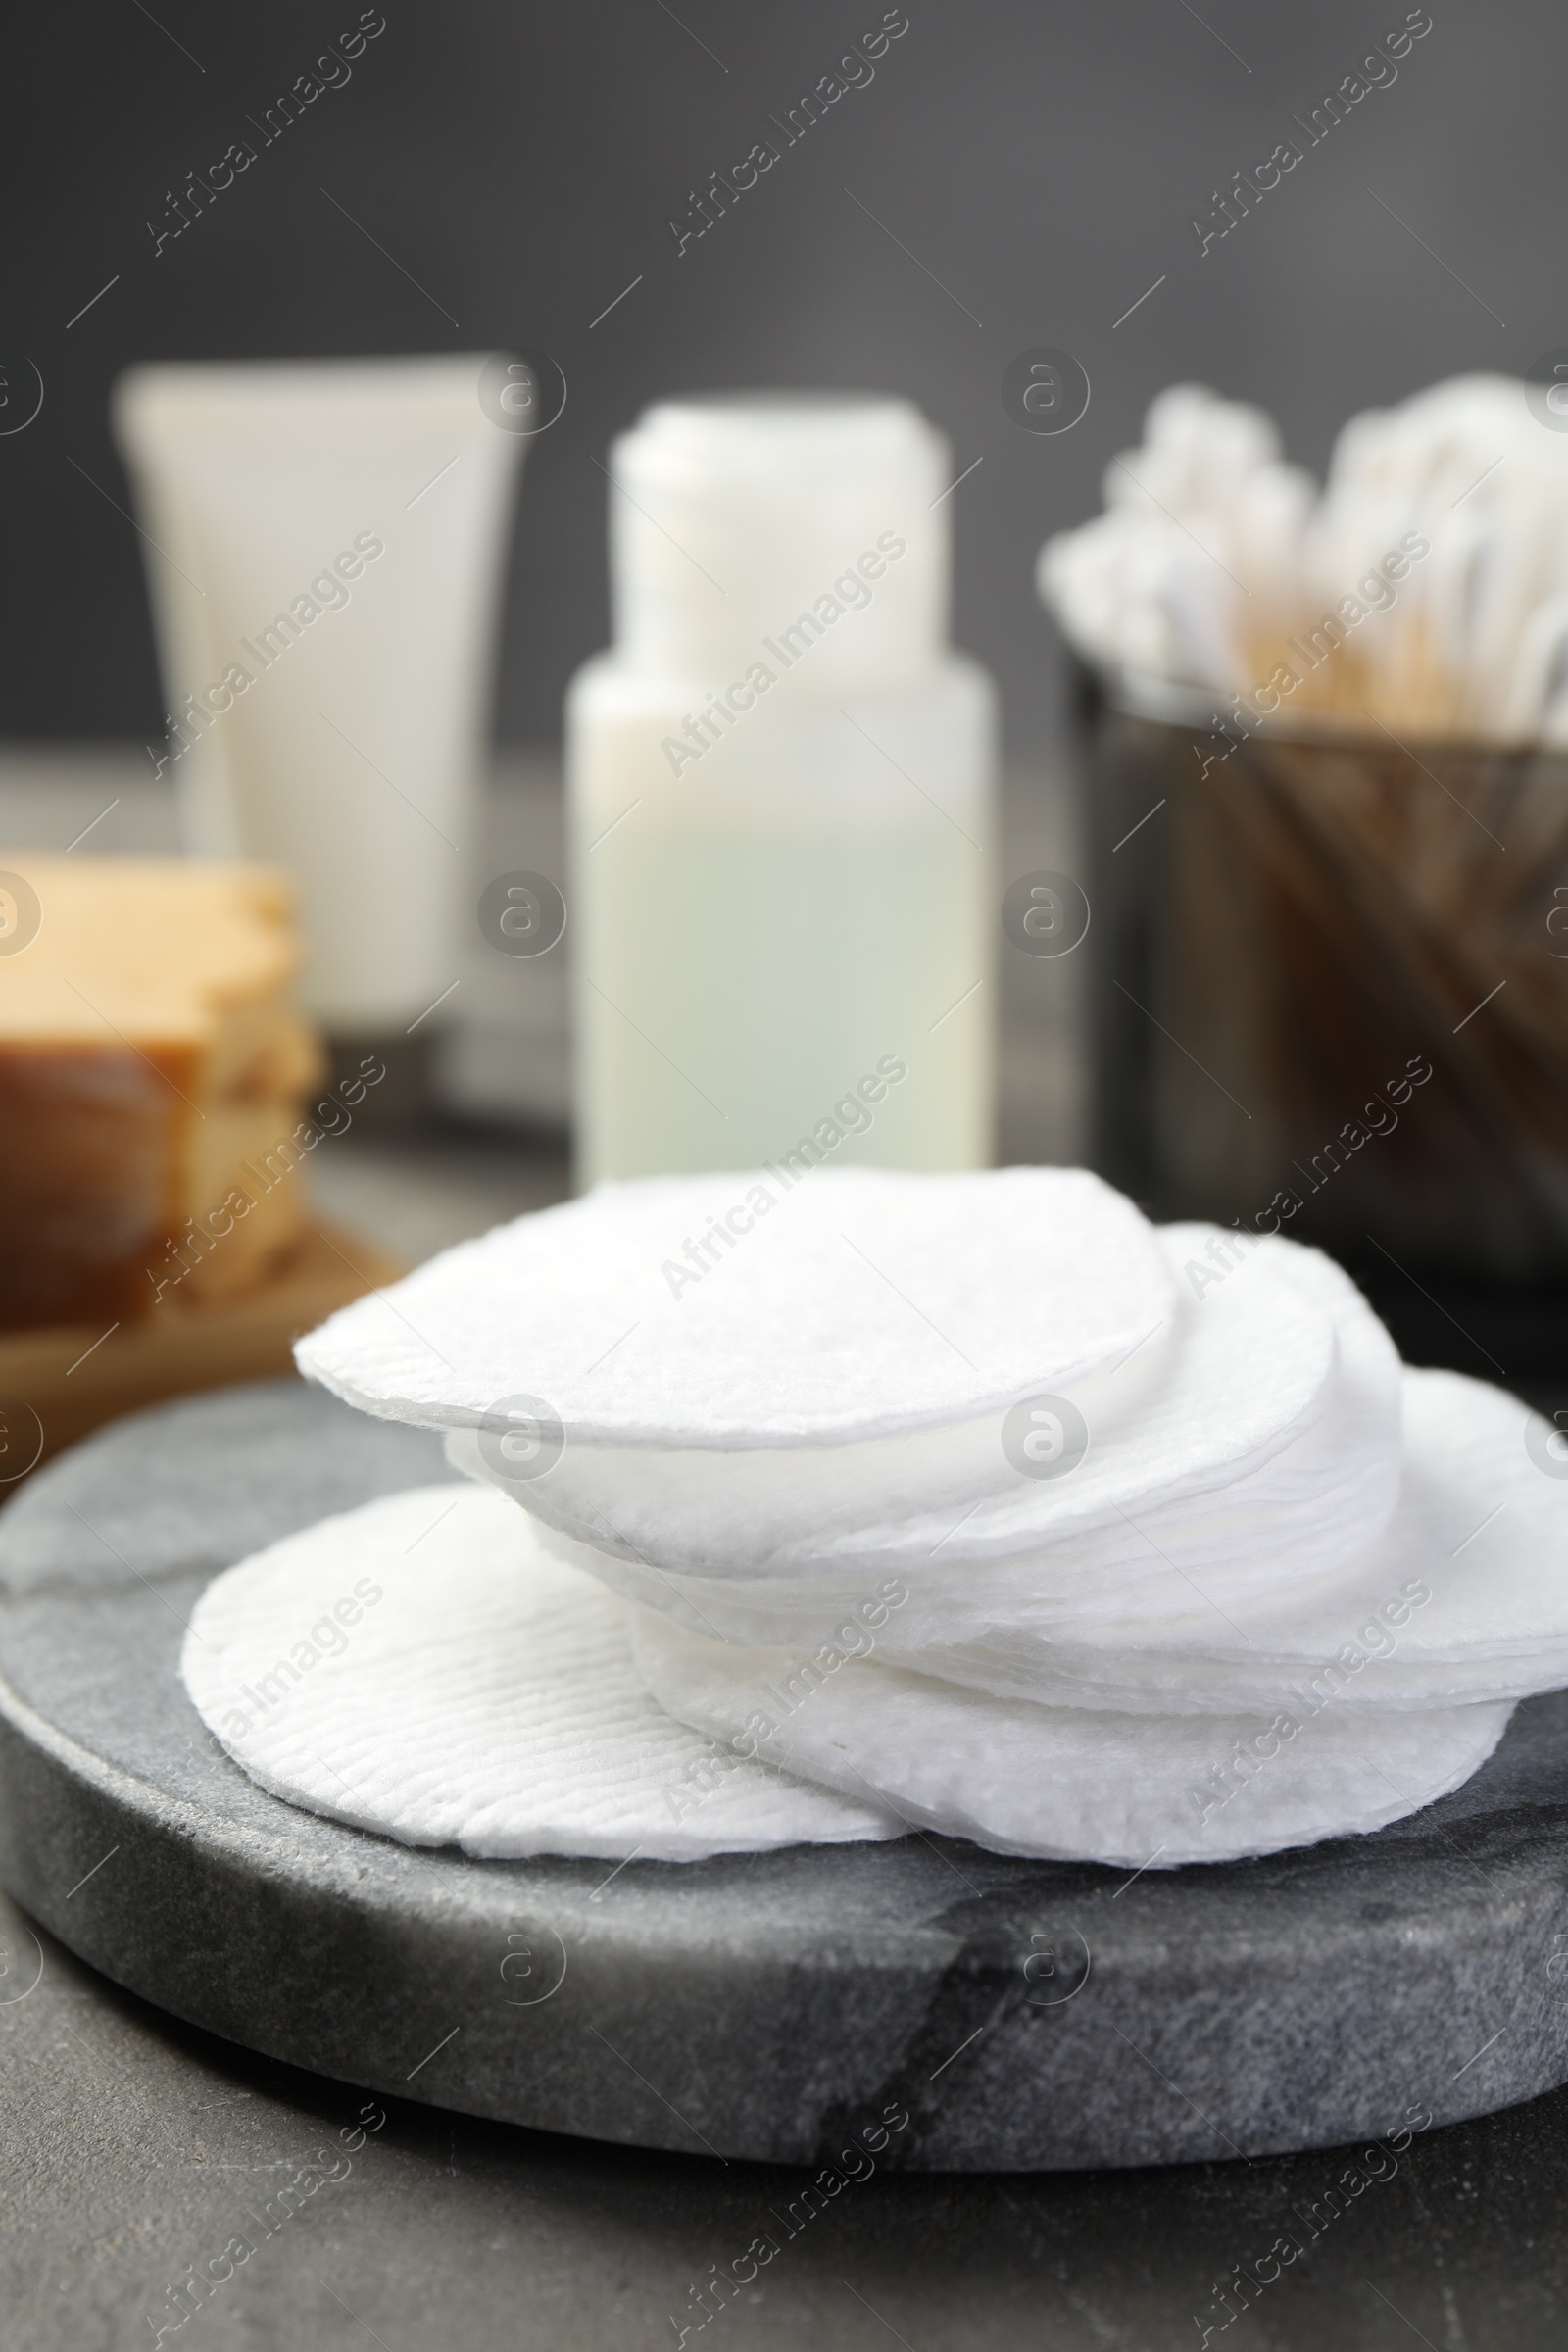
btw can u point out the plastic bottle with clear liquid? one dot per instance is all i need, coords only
(779, 786)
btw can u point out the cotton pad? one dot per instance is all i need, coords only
(1462, 1597)
(763, 1510)
(853, 1302)
(1065, 1782)
(1286, 1347)
(1219, 1501)
(417, 1667)
(1217, 1390)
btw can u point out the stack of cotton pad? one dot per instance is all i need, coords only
(972, 1502)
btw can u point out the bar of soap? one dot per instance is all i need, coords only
(152, 1070)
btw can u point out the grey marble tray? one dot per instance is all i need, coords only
(1019, 2015)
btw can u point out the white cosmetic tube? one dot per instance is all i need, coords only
(323, 547)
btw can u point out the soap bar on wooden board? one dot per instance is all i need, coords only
(152, 1070)
(58, 1384)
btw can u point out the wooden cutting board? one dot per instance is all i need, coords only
(57, 1384)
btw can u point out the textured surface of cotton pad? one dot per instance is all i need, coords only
(1255, 1364)
(1065, 1782)
(859, 1302)
(1462, 1597)
(763, 1510)
(1286, 1523)
(482, 1695)
(1225, 1383)
(1276, 1543)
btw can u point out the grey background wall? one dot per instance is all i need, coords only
(510, 169)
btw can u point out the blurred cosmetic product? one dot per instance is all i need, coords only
(780, 802)
(323, 546)
(1425, 588)
(1328, 813)
(154, 1077)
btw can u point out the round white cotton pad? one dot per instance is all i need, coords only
(1065, 1782)
(856, 1302)
(1210, 1506)
(1284, 1354)
(1214, 1391)
(1462, 1597)
(763, 1510)
(417, 1667)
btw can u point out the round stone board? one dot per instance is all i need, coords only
(982, 2012)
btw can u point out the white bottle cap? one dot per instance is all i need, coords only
(802, 522)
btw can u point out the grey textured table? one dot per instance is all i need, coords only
(136, 2149)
